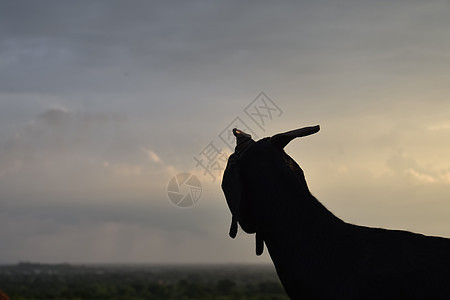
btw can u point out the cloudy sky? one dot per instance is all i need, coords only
(103, 102)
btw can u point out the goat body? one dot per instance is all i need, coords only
(316, 254)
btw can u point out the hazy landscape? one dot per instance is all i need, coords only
(134, 281)
(105, 105)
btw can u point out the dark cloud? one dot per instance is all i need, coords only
(56, 133)
(98, 45)
(148, 213)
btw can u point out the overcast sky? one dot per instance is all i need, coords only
(103, 102)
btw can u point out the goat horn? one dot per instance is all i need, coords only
(243, 141)
(282, 139)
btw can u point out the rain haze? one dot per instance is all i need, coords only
(103, 102)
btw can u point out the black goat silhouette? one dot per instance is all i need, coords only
(316, 254)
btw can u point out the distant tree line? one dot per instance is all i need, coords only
(133, 282)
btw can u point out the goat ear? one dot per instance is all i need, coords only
(232, 188)
(282, 139)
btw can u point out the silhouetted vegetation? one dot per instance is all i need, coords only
(134, 282)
